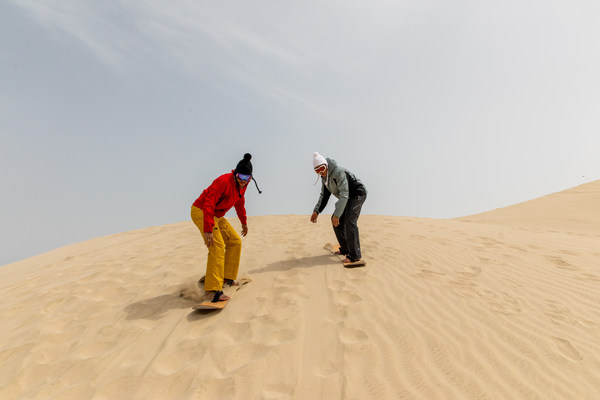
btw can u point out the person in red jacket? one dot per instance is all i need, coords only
(223, 242)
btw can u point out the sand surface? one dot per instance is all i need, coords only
(500, 305)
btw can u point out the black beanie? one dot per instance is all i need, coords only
(245, 166)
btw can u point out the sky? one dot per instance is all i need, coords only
(115, 115)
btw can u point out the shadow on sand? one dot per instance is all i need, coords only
(305, 262)
(156, 308)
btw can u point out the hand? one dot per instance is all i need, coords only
(335, 221)
(244, 230)
(313, 217)
(209, 238)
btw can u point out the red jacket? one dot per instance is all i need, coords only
(219, 197)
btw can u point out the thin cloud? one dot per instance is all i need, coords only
(196, 40)
(269, 50)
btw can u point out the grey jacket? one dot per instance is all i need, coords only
(342, 184)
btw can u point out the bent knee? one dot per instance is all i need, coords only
(218, 247)
(235, 242)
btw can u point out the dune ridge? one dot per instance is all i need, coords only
(493, 306)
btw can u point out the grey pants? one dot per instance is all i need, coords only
(347, 231)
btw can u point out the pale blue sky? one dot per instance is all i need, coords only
(116, 115)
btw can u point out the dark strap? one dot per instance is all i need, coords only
(218, 295)
(256, 184)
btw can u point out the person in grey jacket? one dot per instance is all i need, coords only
(351, 194)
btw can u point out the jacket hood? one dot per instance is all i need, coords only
(331, 165)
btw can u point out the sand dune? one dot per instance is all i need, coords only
(501, 305)
(574, 210)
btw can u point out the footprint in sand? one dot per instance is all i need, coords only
(474, 271)
(347, 297)
(277, 296)
(562, 264)
(184, 354)
(337, 285)
(279, 337)
(559, 314)
(349, 335)
(504, 304)
(239, 356)
(464, 287)
(343, 293)
(567, 349)
(289, 279)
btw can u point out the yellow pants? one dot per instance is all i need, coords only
(224, 255)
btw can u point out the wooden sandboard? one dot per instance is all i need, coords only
(335, 247)
(227, 290)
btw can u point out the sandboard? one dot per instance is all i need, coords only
(227, 290)
(336, 247)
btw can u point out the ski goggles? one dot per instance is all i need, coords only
(320, 168)
(243, 177)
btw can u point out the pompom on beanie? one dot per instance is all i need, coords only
(318, 160)
(245, 166)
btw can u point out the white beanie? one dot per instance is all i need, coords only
(318, 160)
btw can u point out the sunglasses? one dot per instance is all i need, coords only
(244, 178)
(320, 168)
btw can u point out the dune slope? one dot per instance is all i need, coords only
(471, 308)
